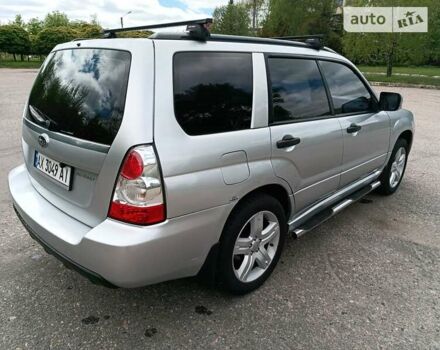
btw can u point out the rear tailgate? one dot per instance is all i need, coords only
(90, 103)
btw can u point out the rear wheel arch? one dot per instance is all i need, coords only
(275, 190)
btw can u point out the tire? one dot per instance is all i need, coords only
(389, 182)
(251, 244)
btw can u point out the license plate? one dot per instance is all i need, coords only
(61, 173)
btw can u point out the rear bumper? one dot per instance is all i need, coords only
(115, 253)
(93, 277)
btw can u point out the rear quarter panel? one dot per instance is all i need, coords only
(196, 169)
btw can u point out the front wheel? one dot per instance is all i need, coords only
(393, 173)
(251, 243)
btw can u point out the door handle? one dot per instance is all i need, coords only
(288, 141)
(353, 128)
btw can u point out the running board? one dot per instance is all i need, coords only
(327, 213)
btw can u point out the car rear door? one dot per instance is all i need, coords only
(366, 130)
(210, 114)
(83, 115)
(306, 138)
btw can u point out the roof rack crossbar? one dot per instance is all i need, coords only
(192, 24)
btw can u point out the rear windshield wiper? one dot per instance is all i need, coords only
(40, 117)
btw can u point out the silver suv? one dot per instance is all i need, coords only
(182, 154)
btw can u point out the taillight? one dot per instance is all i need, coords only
(138, 196)
(133, 166)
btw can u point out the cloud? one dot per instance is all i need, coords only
(203, 4)
(110, 11)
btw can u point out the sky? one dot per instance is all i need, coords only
(143, 12)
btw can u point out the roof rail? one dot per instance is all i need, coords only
(229, 38)
(197, 29)
(314, 41)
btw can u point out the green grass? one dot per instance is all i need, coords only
(424, 70)
(403, 79)
(373, 73)
(20, 64)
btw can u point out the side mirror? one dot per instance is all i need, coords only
(390, 101)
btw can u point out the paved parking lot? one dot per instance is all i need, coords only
(368, 278)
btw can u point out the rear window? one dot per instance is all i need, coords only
(81, 93)
(213, 91)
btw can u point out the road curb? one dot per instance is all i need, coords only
(419, 86)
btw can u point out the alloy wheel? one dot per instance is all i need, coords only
(397, 167)
(256, 246)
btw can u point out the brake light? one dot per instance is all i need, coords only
(133, 166)
(138, 196)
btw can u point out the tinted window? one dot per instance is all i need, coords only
(81, 93)
(348, 92)
(297, 90)
(212, 91)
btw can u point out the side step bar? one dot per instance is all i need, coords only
(327, 213)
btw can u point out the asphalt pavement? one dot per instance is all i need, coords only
(369, 278)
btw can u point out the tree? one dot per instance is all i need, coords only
(135, 34)
(56, 19)
(94, 20)
(48, 38)
(18, 21)
(257, 11)
(34, 26)
(86, 30)
(231, 19)
(433, 43)
(392, 48)
(90, 31)
(303, 17)
(14, 40)
(298, 17)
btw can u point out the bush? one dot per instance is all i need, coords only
(48, 38)
(14, 40)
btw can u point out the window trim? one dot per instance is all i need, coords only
(211, 51)
(327, 88)
(269, 92)
(317, 59)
